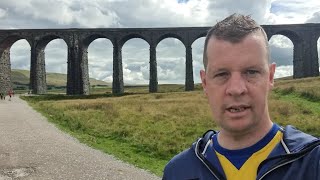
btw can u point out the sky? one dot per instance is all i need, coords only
(37, 14)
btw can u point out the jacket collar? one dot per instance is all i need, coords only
(293, 141)
(296, 140)
(204, 151)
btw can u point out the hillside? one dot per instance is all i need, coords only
(20, 79)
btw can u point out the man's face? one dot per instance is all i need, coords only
(237, 81)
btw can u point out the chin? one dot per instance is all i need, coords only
(238, 127)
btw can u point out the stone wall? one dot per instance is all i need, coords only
(5, 72)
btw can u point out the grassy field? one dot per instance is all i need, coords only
(149, 129)
(56, 82)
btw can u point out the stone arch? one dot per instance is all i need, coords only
(100, 63)
(293, 36)
(281, 52)
(197, 58)
(171, 66)
(5, 64)
(204, 34)
(6, 44)
(56, 61)
(38, 68)
(298, 47)
(20, 53)
(169, 35)
(136, 64)
(126, 38)
(89, 39)
(10, 40)
(44, 41)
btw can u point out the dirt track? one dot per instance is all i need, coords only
(32, 148)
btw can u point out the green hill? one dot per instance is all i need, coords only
(20, 79)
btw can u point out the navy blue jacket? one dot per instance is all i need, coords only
(296, 157)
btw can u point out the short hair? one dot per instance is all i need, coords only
(234, 29)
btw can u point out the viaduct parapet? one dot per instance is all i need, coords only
(303, 36)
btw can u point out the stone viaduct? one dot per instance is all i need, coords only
(303, 36)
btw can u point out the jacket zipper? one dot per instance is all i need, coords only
(316, 143)
(209, 169)
(195, 150)
(280, 165)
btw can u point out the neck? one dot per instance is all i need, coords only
(240, 140)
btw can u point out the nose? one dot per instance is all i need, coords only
(236, 85)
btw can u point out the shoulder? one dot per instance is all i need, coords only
(315, 152)
(185, 165)
(180, 163)
(300, 142)
(297, 140)
(309, 165)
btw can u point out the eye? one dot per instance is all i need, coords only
(221, 74)
(252, 73)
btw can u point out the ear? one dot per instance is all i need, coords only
(272, 69)
(203, 81)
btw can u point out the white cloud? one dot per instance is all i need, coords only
(56, 56)
(280, 41)
(197, 56)
(281, 50)
(171, 61)
(283, 71)
(293, 11)
(54, 11)
(171, 70)
(315, 18)
(20, 55)
(100, 60)
(3, 13)
(160, 13)
(92, 15)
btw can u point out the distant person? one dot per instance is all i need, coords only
(4, 95)
(1, 96)
(10, 93)
(237, 79)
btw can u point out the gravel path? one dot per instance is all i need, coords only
(32, 148)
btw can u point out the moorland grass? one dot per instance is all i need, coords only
(308, 88)
(149, 129)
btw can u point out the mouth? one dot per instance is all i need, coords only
(237, 109)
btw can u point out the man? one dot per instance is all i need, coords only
(236, 80)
